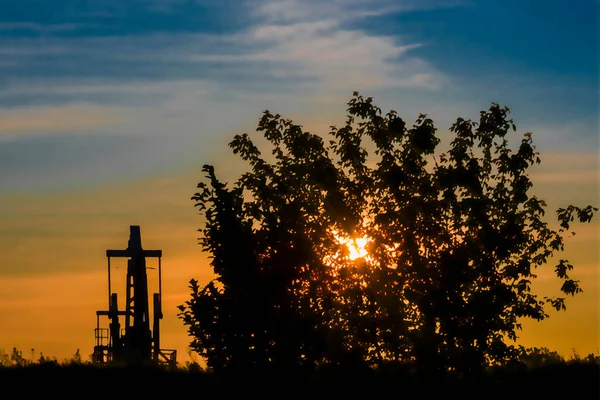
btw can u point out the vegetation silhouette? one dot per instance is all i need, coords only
(453, 240)
(575, 376)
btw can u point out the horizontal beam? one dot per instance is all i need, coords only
(130, 253)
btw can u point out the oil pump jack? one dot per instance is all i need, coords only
(135, 343)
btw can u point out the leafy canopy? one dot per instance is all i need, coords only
(454, 241)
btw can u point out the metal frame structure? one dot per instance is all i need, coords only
(136, 342)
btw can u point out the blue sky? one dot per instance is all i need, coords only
(93, 91)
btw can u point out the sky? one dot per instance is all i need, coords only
(109, 109)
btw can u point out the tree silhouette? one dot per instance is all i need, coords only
(454, 240)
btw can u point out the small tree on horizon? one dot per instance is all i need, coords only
(454, 240)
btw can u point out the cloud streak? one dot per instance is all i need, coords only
(311, 44)
(50, 120)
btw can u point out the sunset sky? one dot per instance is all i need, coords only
(109, 109)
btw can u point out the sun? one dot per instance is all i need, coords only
(356, 247)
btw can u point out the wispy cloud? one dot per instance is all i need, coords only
(333, 57)
(304, 48)
(312, 39)
(309, 43)
(49, 120)
(566, 135)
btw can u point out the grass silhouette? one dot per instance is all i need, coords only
(539, 373)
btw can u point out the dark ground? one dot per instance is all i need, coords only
(562, 381)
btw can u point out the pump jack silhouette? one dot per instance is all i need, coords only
(135, 343)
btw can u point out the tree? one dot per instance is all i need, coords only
(454, 240)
